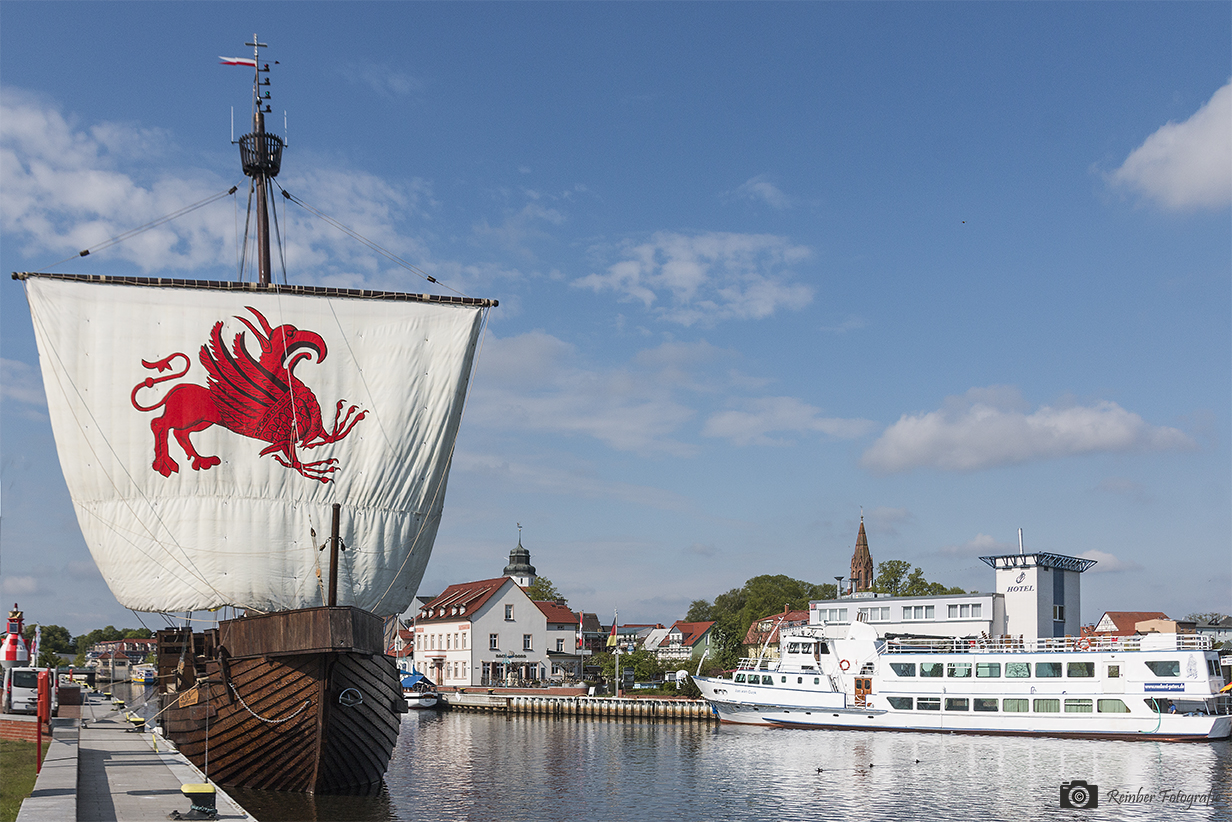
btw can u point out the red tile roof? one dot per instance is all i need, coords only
(690, 631)
(462, 600)
(557, 613)
(1126, 620)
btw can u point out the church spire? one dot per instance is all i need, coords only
(519, 566)
(861, 562)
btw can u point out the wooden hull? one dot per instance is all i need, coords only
(296, 701)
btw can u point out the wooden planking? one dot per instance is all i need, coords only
(306, 630)
(326, 747)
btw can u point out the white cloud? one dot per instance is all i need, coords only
(981, 545)
(1108, 563)
(554, 479)
(1120, 486)
(381, 78)
(534, 382)
(69, 187)
(886, 520)
(705, 278)
(757, 419)
(760, 188)
(1186, 165)
(19, 586)
(989, 427)
(21, 383)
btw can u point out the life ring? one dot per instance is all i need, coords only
(1083, 644)
(844, 665)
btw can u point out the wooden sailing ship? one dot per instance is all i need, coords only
(298, 694)
(302, 700)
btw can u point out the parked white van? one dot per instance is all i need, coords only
(21, 690)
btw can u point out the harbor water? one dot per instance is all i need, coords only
(468, 766)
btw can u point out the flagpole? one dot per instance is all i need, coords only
(615, 631)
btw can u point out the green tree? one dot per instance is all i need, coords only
(700, 610)
(47, 658)
(542, 590)
(55, 638)
(890, 576)
(1206, 616)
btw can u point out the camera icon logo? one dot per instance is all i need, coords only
(1078, 794)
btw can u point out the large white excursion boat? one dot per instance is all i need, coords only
(1157, 686)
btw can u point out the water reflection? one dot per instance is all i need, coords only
(492, 767)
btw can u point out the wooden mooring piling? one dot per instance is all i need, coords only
(583, 707)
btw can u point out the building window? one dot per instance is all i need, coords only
(492, 642)
(832, 614)
(975, 611)
(1058, 613)
(464, 640)
(508, 613)
(918, 612)
(526, 642)
(448, 646)
(560, 646)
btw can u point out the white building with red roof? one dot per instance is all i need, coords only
(686, 640)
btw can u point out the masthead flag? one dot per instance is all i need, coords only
(237, 61)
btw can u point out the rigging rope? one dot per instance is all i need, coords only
(143, 228)
(355, 235)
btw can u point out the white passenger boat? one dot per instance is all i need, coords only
(1157, 686)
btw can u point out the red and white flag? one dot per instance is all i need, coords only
(237, 61)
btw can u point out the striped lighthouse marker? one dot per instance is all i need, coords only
(14, 654)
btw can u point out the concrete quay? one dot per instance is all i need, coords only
(99, 769)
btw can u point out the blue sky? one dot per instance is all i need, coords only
(966, 266)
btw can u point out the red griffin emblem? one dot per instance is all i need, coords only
(254, 397)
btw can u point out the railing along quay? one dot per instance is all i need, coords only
(662, 710)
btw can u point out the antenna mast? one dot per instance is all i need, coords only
(261, 156)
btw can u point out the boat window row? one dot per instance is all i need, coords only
(1022, 670)
(1009, 705)
(993, 670)
(767, 679)
(807, 648)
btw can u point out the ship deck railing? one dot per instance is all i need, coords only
(1011, 644)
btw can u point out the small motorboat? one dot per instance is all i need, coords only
(419, 692)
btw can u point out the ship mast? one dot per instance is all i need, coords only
(261, 156)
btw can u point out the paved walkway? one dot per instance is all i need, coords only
(120, 776)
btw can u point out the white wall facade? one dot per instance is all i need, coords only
(948, 615)
(458, 652)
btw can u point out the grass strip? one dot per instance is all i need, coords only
(17, 765)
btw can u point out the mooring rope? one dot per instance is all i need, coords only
(307, 702)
